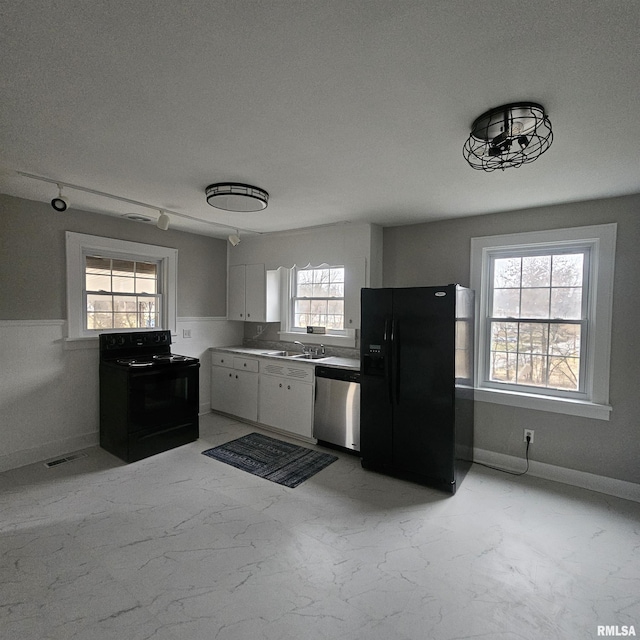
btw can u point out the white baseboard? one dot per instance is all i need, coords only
(48, 451)
(601, 484)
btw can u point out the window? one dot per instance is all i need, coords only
(115, 285)
(318, 298)
(537, 317)
(544, 319)
(121, 294)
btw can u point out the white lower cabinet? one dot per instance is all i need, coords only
(234, 386)
(286, 404)
(276, 393)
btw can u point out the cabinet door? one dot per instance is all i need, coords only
(298, 401)
(245, 395)
(222, 389)
(286, 404)
(270, 409)
(235, 392)
(255, 293)
(236, 293)
(355, 279)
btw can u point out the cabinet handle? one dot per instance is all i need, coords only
(245, 364)
(231, 375)
(288, 386)
(236, 377)
(280, 385)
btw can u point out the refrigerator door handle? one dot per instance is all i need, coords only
(388, 370)
(395, 361)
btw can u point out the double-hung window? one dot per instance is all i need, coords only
(538, 319)
(121, 294)
(318, 298)
(117, 285)
(544, 319)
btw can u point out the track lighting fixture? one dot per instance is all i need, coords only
(508, 136)
(234, 239)
(60, 203)
(163, 221)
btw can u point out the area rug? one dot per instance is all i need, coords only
(275, 460)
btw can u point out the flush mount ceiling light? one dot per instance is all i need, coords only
(235, 196)
(508, 136)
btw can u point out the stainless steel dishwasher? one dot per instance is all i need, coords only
(336, 419)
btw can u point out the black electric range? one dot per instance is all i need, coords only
(149, 396)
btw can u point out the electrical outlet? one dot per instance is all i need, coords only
(529, 432)
(186, 333)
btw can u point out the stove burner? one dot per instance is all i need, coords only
(132, 362)
(170, 358)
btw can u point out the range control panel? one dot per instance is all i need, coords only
(117, 341)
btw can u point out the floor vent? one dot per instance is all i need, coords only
(69, 458)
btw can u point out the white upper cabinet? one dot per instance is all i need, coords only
(355, 274)
(236, 293)
(253, 293)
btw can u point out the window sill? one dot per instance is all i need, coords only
(544, 403)
(348, 340)
(81, 342)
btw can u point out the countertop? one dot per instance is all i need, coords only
(330, 361)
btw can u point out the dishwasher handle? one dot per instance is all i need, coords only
(333, 373)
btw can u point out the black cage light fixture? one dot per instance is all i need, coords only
(508, 136)
(235, 196)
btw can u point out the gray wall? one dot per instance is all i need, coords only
(33, 267)
(439, 253)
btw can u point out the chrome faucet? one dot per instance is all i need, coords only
(311, 350)
(305, 349)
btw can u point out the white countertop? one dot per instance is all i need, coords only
(330, 361)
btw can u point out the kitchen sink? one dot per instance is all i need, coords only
(295, 354)
(284, 354)
(309, 356)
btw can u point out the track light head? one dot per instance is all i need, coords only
(234, 239)
(163, 221)
(60, 203)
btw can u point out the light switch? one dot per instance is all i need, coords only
(186, 333)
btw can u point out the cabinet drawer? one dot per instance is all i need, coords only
(245, 364)
(222, 359)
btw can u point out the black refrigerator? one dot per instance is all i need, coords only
(416, 384)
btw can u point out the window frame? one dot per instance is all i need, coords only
(346, 338)
(583, 321)
(293, 298)
(79, 245)
(132, 295)
(593, 400)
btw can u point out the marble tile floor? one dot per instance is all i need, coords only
(180, 546)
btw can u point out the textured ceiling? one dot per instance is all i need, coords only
(343, 111)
